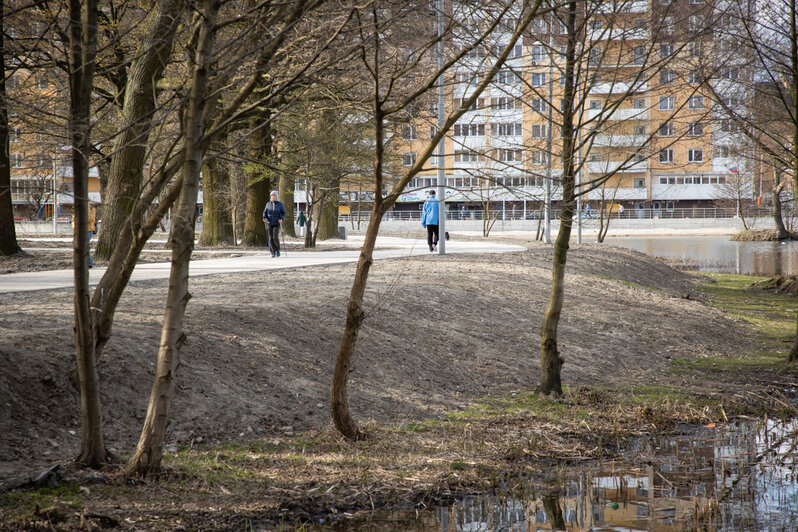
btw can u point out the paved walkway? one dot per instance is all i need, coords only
(250, 261)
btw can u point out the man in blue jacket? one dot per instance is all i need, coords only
(273, 216)
(429, 219)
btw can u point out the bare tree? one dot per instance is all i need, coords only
(8, 234)
(388, 68)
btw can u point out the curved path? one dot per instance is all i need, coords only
(387, 248)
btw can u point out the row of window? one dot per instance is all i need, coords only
(468, 182)
(694, 155)
(694, 180)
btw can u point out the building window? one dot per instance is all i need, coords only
(666, 155)
(695, 102)
(695, 155)
(666, 103)
(538, 131)
(16, 160)
(667, 27)
(595, 105)
(640, 130)
(408, 132)
(695, 23)
(13, 134)
(640, 183)
(478, 104)
(537, 157)
(507, 77)
(694, 48)
(639, 103)
(466, 156)
(433, 130)
(665, 76)
(639, 55)
(538, 80)
(516, 52)
(695, 129)
(694, 77)
(538, 54)
(44, 161)
(509, 155)
(408, 158)
(666, 129)
(12, 83)
(506, 130)
(469, 130)
(729, 126)
(538, 105)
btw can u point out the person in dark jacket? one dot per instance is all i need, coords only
(273, 216)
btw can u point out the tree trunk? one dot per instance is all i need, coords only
(257, 182)
(339, 399)
(130, 147)
(778, 219)
(147, 458)
(550, 360)
(217, 223)
(82, 51)
(328, 221)
(8, 232)
(286, 191)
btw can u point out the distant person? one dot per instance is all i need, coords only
(92, 228)
(300, 221)
(273, 216)
(587, 211)
(462, 212)
(429, 219)
(620, 211)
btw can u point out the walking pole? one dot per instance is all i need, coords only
(282, 240)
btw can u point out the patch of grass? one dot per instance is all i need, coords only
(68, 495)
(772, 314)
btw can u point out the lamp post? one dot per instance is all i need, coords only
(441, 143)
(55, 196)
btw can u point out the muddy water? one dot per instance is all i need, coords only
(718, 254)
(741, 476)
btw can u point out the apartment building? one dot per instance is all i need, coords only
(654, 136)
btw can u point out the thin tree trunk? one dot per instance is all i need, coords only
(793, 356)
(550, 360)
(82, 51)
(8, 232)
(286, 191)
(149, 451)
(782, 233)
(130, 147)
(339, 397)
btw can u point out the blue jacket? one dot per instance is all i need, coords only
(274, 212)
(429, 216)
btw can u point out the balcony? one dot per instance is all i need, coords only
(618, 114)
(618, 88)
(606, 167)
(635, 6)
(617, 34)
(607, 141)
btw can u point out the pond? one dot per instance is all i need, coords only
(740, 476)
(718, 254)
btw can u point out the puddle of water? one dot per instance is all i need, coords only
(718, 254)
(741, 476)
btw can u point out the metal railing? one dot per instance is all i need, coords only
(518, 214)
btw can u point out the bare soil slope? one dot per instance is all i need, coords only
(442, 331)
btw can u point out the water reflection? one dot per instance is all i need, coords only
(718, 254)
(736, 477)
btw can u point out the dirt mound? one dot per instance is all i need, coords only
(786, 285)
(441, 331)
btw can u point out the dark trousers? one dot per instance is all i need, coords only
(274, 238)
(432, 235)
